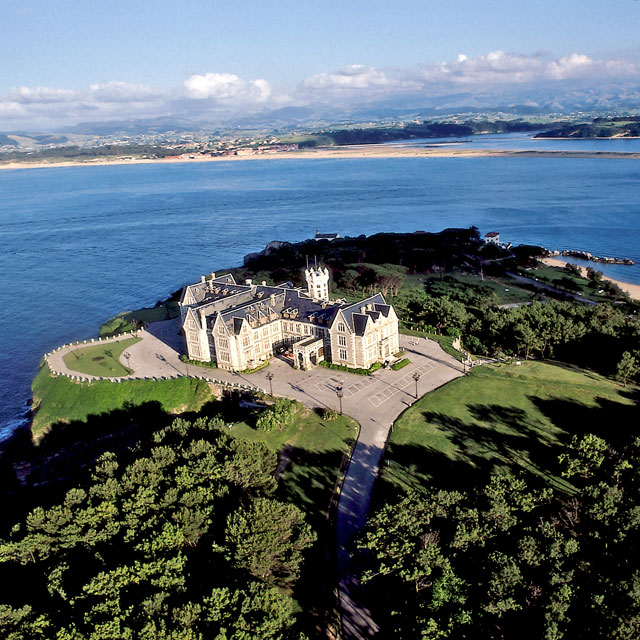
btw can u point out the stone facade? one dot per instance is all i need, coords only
(241, 326)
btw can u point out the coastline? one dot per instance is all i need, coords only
(632, 289)
(346, 152)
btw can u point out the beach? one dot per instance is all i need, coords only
(343, 152)
(632, 289)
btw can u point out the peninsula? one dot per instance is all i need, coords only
(297, 449)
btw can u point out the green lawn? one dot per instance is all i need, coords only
(554, 276)
(59, 400)
(100, 360)
(128, 320)
(503, 290)
(503, 416)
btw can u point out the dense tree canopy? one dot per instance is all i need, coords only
(185, 540)
(511, 561)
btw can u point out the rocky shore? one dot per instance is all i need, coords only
(585, 255)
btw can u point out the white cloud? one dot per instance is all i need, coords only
(27, 95)
(116, 91)
(213, 94)
(226, 86)
(355, 76)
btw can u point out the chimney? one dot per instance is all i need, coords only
(248, 282)
(363, 309)
(202, 279)
(370, 307)
(203, 318)
(272, 299)
(264, 283)
(213, 275)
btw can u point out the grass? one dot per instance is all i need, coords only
(312, 449)
(554, 276)
(59, 400)
(503, 416)
(102, 360)
(503, 290)
(129, 320)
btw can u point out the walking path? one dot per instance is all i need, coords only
(374, 401)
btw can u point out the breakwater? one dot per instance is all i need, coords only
(585, 255)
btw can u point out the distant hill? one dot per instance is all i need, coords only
(378, 134)
(622, 127)
(4, 139)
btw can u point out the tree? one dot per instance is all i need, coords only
(628, 367)
(573, 270)
(584, 456)
(268, 539)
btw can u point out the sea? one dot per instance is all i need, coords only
(81, 244)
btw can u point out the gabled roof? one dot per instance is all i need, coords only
(377, 303)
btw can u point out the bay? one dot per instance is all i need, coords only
(80, 244)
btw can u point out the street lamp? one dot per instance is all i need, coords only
(416, 377)
(340, 393)
(270, 378)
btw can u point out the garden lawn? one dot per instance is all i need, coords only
(101, 360)
(503, 417)
(58, 399)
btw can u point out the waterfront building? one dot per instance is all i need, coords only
(239, 326)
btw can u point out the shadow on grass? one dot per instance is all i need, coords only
(505, 437)
(309, 481)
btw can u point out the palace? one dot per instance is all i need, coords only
(239, 326)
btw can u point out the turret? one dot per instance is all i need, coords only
(317, 282)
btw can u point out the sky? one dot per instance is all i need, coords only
(74, 60)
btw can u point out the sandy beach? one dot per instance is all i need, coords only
(632, 289)
(351, 151)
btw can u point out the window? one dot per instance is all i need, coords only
(245, 342)
(224, 343)
(221, 331)
(342, 354)
(341, 327)
(265, 331)
(224, 356)
(342, 341)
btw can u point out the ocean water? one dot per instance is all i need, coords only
(81, 244)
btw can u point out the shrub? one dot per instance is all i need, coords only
(474, 345)
(329, 414)
(398, 365)
(199, 363)
(278, 415)
(359, 371)
(260, 367)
